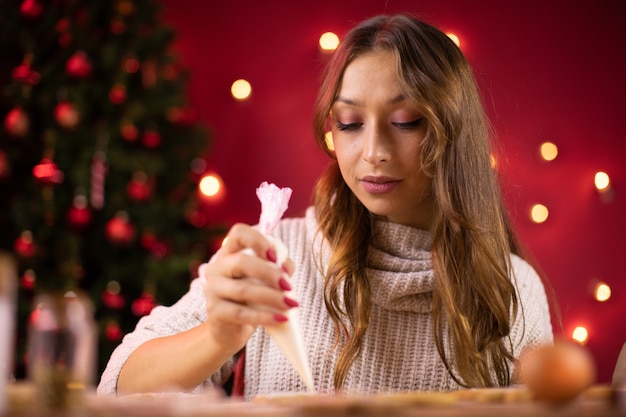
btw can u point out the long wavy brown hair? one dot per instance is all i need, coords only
(474, 301)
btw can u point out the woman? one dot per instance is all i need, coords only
(405, 268)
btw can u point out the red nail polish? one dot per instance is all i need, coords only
(290, 302)
(270, 255)
(280, 318)
(284, 285)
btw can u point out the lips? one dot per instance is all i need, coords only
(379, 185)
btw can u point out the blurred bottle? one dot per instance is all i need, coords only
(8, 278)
(62, 349)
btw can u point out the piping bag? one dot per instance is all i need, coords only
(288, 335)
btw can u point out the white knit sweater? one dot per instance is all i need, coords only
(399, 352)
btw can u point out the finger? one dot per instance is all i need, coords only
(242, 236)
(245, 302)
(239, 314)
(245, 265)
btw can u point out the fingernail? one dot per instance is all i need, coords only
(290, 302)
(270, 255)
(280, 318)
(284, 284)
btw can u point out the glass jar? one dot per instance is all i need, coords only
(61, 349)
(8, 278)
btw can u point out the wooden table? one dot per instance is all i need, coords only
(597, 402)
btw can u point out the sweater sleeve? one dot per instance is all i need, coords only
(532, 325)
(188, 312)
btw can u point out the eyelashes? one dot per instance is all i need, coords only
(414, 124)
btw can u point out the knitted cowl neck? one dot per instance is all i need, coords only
(400, 268)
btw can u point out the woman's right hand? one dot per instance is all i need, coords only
(245, 288)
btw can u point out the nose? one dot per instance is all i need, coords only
(376, 145)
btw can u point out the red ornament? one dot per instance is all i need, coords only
(5, 166)
(139, 188)
(181, 116)
(29, 280)
(66, 115)
(79, 214)
(119, 230)
(117, 26)
(31, 9)
(24, 74)
(143, 305)
(24, 245)
(78, 65)
(196, 217)
(159, 250)
(112, 300)
(117, 94)
(151, 139)
(47, 172)
(129, 132)
(147, 240)
(16, 122)
(112, 331)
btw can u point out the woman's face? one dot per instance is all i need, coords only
(377, 134)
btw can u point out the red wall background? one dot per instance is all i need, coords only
(549, 71)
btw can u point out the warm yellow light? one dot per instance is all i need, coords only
(328, 138)
(602, 181)
(539, 213)
(455, 39)
(241, 89)
(549, 151)
(602, 292)
(494, 161)
(329, 41)
(580, 335)
(210, 185)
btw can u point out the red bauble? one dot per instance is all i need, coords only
(117, 94)
(143, 305)
(24, 245)
(112, 300)
(28, 280)
(148, 240)
(66, 115)
(117, 26)
(78, 65)
(112, 331)
(31, 9)
(79, 214)
(119, 230)
(181, 116)
(139, 188)
(47, 172)
(24, 74)
(5, 166)
(16, 122)
(151, 139)
(129, 132)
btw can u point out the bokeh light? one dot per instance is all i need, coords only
(602, 292)
(549, 151)
(210, 185)
(580, 335)
(539, 213)
(602, 181)
(455, 39)
(328, 138)
(329, 41)
(241, 89)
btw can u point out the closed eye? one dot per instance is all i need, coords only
(348, 126)
(409, 125)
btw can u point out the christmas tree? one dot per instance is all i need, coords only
(100, 156)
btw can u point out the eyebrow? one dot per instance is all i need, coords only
(352, 102)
